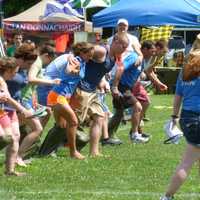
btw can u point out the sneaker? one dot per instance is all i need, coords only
(166, 198)
(145, 135)
(139, 139)
(111, 141)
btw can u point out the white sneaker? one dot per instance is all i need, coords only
(137, 138)
(166, 198)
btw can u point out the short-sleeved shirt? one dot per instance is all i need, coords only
(190, 92)
(52, 71)
(94, 72)
(131, 72)
(30, 88)
(16, 84)
(69, 82)
(11, 51)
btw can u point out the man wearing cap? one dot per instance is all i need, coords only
(133, 48)
(134, 44)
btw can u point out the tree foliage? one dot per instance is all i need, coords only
(14, 7)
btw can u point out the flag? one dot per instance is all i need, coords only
(90, 3)
(156, 33)
(60, 6)
(75, 4)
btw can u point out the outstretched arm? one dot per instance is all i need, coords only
(34, 79)
(117, 77)
(156, 82)
(8, 99)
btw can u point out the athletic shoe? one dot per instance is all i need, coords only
(145, 135)
(111, 141)
(139, 139)
(166, 198)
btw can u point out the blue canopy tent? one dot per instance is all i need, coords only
(150, 13)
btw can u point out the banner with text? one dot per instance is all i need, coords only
(44, 26)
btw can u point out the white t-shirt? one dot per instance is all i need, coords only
(133, 42)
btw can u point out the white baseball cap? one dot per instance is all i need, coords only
(122, 21)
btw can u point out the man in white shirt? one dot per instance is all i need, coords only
(134, 44)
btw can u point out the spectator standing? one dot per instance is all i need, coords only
(17, 39)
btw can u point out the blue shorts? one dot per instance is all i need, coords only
(190, 125)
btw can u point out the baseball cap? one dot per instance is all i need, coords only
(122, 21)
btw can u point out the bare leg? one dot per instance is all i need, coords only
(145, 106)
(12, 148)
(136, 116)
(5, 139)
(31, 137)
(12, 151)
(191, 155)
(105, 134)
(95, 134)
(71, 127)
(115, 122)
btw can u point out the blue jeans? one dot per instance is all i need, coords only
(190, 125)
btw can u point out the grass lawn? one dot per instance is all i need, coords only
(132, 172)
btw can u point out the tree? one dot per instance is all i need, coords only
(13, 7)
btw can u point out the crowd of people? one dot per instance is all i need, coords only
(35, 84)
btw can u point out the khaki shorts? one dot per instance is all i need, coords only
(87, 104)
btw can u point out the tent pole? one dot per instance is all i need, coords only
(1, 18)
(185, 35)
(85, 17)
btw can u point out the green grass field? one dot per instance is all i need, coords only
(131, 172)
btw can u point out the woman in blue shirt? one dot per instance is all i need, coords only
(187, 95)
(59, 96)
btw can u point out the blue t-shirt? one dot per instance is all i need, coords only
(69, 82)
(52, 71)
(16, 84)
(94, 72)
(190, 92)
(131, 72)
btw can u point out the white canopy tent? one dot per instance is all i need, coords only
(33, 19)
